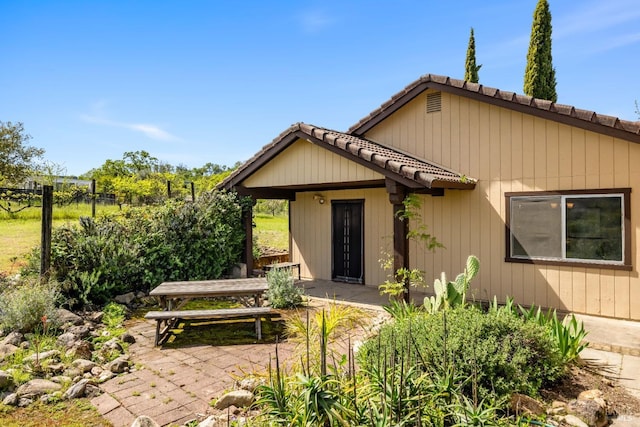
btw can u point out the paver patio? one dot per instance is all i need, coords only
(175, 385)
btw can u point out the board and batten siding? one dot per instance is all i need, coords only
(306, 163)
(311, 232)
(509, 151)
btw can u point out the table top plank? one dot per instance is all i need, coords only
(205, 288)
(210, 314)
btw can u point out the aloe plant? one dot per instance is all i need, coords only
(452, 294)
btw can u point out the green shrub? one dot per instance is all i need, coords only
(23, 306)
(114, 315)
(498, 354)
(142, 247)
(282, 292)
(568, 334)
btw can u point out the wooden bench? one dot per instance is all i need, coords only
(171, 317)
(289, 265)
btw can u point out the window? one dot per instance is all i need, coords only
(581, 227)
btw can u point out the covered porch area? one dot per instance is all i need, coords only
(345, 197)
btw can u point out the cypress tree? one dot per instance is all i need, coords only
(470, 67)
(540, 76)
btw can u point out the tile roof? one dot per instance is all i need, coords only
(589, 120)
(426, 173)
(418, 172)
(385, 160)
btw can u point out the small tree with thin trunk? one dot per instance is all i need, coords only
(470, 67)
(17, 158)
(540, 76)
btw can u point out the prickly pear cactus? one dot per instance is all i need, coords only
(452, 294)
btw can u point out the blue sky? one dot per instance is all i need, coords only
(195, 81)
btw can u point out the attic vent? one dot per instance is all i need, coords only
(434, 102)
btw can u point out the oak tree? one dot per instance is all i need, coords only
(17, 158)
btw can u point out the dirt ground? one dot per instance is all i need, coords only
(588, 377)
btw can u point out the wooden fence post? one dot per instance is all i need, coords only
(93, 198)
(45, 237)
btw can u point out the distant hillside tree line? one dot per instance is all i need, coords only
(139, 178)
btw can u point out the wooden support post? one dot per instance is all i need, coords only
(168, 189)
(397, 193)
(45, 236)
(247, 219)
(193, 192)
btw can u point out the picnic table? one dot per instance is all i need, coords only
(173, 296)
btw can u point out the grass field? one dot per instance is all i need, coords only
(19, 235)
(272, 231)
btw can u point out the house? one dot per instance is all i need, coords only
(547, 196)
(58, 182)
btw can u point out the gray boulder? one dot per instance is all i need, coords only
(144, 421)
(36, 388)
(72, 372)
(7, 350)
(112, 344)
(6, 381)
(125, 299)
(56, 368)
(23, 402)
(128, 338)
(14, 338)
(250, 384)
(11, 400)
(574, 421)
(589, 411)
(211, 421)
(83, 364)
(66, 318)
(92, 390)
(80, 331)
(105, 376)
(80, 350)
(524, 405)
(237, 398)
(96, 317)
(118, 366)
(67, 340)
(77, 390)
(96, 371)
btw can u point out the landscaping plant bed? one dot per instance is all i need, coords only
(584, 377)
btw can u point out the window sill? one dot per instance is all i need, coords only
(602, 266)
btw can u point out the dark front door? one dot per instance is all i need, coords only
(347, 226)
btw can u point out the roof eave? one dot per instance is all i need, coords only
(589, 120)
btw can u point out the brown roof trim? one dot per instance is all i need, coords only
(566, 114)
(403, 168)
